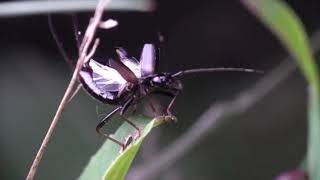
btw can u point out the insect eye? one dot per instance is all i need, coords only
(157, 80)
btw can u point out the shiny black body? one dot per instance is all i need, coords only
(162, 83)
(125, 81)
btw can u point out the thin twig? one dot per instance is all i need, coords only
(89, 35)
(216, 113)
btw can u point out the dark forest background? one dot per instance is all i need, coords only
(263, 142)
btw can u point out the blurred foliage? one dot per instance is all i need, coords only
(24, 8)
(267, 140)
(284, 23)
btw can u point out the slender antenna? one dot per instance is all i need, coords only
(217, 69)
(161, 53)
(77, 33)
(59, 43)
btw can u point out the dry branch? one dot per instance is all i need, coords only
(84, 56)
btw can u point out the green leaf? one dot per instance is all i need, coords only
(313, 156)
(108, 162)
(285, 24)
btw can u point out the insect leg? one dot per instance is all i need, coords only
(171, 104)
(172, 95)
(134, 110)
(123, 110)
(153, 108)
(104, 121)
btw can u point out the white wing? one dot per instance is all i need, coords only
(106, 79)
(147, 60)
(131, 63)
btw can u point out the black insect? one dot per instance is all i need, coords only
(126, 81)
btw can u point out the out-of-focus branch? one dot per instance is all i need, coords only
(84, 55)
(217, 112)
(35, 7)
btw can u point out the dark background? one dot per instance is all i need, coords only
(266, 140)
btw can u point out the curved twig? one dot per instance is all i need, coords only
(84, 55)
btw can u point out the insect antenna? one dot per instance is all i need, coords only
(61, 47)
(217, 69)
(76, 32)
(58, 42)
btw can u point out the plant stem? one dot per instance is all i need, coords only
(84, 56)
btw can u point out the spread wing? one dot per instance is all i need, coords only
(130, 69)
(123, 70)
(131, 63)
(147, 60)
(105, 78)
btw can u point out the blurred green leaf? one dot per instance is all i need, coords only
(108, 163)
(34, 7)
(313, 156)
(284, 23)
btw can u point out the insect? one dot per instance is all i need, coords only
(125, 81)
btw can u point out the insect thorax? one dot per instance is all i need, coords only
(161, 83)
